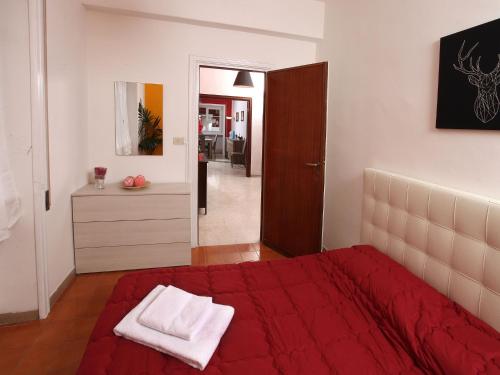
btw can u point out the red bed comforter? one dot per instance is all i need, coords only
(349, 311)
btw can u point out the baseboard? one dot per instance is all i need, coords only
(27, 316)
(19, 317)
(62, 287)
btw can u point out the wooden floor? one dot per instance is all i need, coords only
(56, 344)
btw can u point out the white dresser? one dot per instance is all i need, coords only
(118, 229)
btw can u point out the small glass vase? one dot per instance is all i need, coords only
(99, 174)
(99, 182)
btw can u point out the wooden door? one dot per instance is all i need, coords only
(293, 159)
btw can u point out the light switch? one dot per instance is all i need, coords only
(178, 140)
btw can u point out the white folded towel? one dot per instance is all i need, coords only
(178, 313)
(196, 352)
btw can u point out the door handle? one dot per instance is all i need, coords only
(318, 164)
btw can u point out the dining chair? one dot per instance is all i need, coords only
(239, 157)
(214, 146)
(202, 146)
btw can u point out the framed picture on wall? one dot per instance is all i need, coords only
(237, 116)
(242, 115)
(469, 76)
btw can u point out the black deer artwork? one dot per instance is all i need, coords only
(469, 76)
(486, 104)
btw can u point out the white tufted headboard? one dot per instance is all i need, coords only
(449, 238)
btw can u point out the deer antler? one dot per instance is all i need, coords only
(461, 59)
(496, 72)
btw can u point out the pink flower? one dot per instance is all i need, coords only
(100, 171)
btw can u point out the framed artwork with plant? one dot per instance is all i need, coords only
(138, 118)
(150, 132)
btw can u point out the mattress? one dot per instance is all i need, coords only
(348, 311)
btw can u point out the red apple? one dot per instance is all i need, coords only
(128, 181)
(139, 181)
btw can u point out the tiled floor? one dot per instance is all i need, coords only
(233, 212)
(56, 344)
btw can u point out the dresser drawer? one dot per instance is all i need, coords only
(132, 257)
(139, 207)
(119, 233)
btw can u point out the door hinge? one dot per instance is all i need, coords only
(47, 200)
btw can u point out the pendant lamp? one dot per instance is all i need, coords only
(243, 79)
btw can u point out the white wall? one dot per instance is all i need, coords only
(239, 127)
(220, 82)
(125, 48)
(18, 290)
(382, 106)
(67, 128)
(302, 17)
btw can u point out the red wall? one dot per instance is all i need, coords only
(205, 99)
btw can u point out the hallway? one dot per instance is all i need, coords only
(233, 213)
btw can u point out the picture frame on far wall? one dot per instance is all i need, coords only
(242, 116)
(469, 79)
(237, 116)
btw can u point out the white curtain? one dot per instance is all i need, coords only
(10, 201)
(123, 141)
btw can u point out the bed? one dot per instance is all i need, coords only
(421, 297)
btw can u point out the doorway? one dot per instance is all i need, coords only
(292, 160)
(233, 143)
(229, 129)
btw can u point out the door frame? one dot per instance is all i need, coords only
(40, 147)
(195, 63)
(248, 152)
